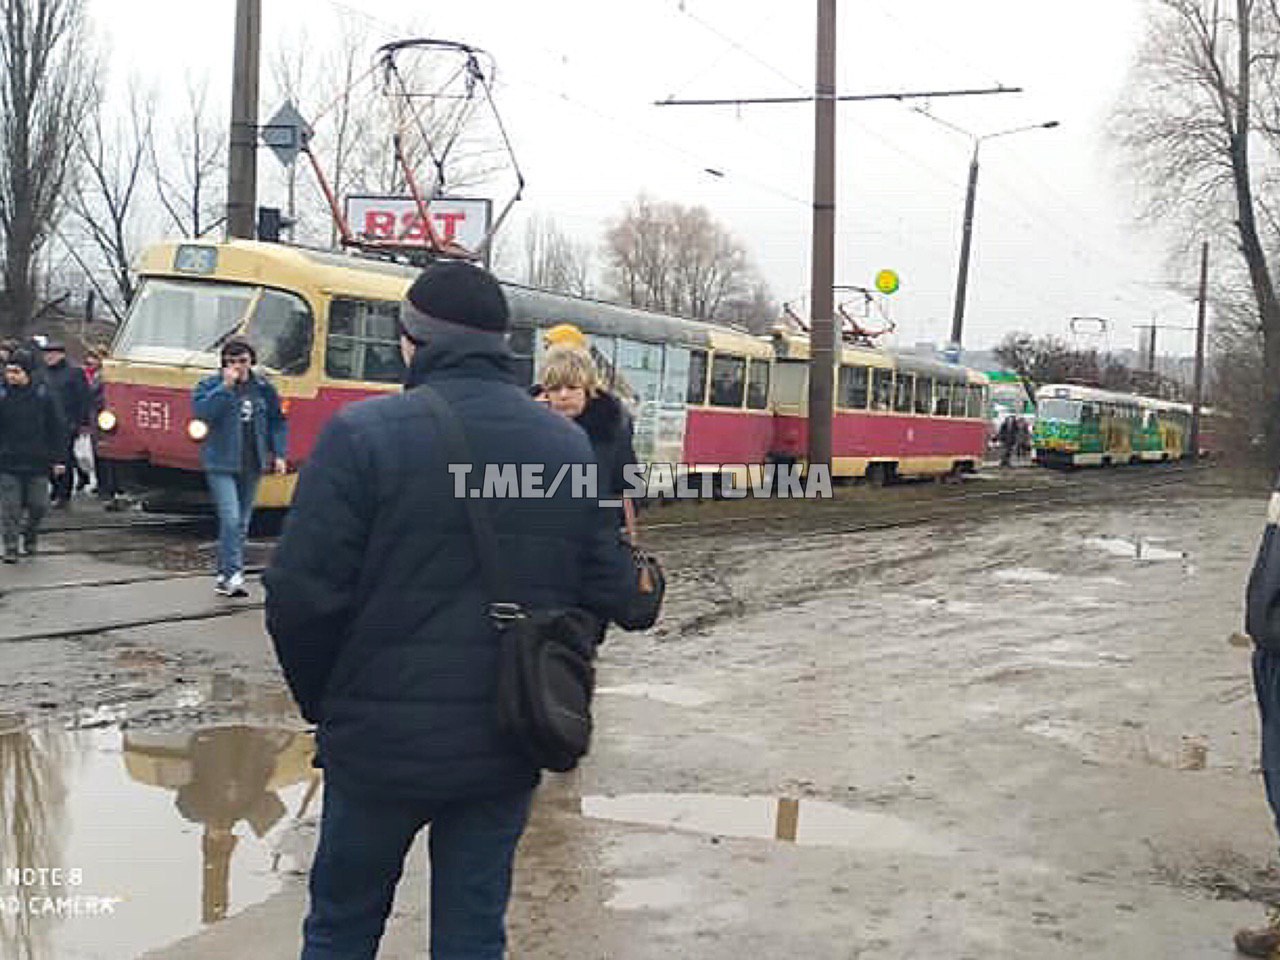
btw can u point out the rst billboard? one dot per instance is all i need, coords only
(461, 220)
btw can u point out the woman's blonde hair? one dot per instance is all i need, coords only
(566, 366)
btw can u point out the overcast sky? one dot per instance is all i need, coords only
(1055, 235)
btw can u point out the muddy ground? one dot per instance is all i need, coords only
(1015, 730)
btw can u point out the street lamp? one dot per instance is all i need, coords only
(962, 278)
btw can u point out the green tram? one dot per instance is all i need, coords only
(1082, 426)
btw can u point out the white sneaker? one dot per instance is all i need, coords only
(235, 586)
(220, 586)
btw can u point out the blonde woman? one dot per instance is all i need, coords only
(571, 383)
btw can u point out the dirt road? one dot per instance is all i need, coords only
(1019, 736)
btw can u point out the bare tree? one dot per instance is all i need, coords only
(190, 178)
(46, 88)
(668, 257)
(1201, 123)
(755, 309)
(1041, 360)
(105, 196)
(553, 260)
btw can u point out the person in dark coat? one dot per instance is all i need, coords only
(67, 381)
(379, 618)
(247, 437)
(1007, 435)
(571, 382)
(31, 435)
(1262, 624)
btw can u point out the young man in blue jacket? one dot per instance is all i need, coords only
(247, 437)
(380, 620)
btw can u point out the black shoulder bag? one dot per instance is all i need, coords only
(546, 672)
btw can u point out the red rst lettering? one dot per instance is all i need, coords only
(380, 224)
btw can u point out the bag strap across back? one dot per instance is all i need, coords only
(483, 534)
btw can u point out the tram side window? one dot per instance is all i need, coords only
(675, 375)
(977, 402)
(1089, 414)
(639, 370)
(728, 381)
(697, 393)
(942, 399)
(882, 390)
(758, 385)
(854, 387)
(924, 395)
(364, 341)
(905, 388)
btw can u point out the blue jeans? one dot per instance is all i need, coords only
(363, 843)
(1266, 685)
(233, 496)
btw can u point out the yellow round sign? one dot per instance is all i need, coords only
(887, 281)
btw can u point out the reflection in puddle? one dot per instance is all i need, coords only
(1026, 575)
(1140, 548)
(162, 831)
(804, 822)
(662, 692)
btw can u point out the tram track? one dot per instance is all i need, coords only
(1082, 489)
(779, 527)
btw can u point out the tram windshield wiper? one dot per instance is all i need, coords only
(224, 336)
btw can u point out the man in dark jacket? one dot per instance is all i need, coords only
(375, 604)
(247, 437)
(71, 390)
(31, 435)
(1262, 623)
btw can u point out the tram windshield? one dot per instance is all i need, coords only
(185, 322)
(1064, 411)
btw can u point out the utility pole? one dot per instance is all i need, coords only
(822, 278)
(242, 156)
(1201, 313)
(966, 237)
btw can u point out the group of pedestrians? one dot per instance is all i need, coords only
(1014, 439)
(378, 608)
(46, 402)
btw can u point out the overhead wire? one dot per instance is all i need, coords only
(1077, 248)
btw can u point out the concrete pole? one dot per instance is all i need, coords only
(242, 156)
(1201, 314)
(966, 240)
(821, 293)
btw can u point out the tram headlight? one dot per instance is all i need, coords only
(107, 421)
(197, 430)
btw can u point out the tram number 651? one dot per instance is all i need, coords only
(152, 415)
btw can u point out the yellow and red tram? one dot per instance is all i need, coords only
(325, 328)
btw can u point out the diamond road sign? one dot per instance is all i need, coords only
(286, 134)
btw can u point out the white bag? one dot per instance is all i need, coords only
(82, 450)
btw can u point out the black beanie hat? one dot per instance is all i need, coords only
(456, 292)
(24, 359)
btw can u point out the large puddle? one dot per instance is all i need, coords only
(115, 842)
(803, 822)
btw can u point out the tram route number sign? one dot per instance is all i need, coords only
(460, 220)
